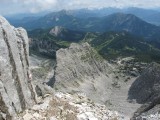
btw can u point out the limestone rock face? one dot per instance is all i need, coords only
(16, 92)
(81, 69)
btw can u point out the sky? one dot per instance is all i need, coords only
(34, 6)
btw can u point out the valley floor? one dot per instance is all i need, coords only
(118, 100)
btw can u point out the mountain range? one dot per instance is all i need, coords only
(115, 44)
(149, 15)
(103, 57)
(113, 22)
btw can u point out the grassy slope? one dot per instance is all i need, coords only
(112, 45)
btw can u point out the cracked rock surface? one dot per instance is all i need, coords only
(81, 69)
(69, 107)
(16, 91)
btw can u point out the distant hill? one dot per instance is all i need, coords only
(58, 33)
(113, 44)
(110, 45)
(148, 15)
(61, 18)
(126, 22)
(122, 22)
(47, 41)
(66, 34)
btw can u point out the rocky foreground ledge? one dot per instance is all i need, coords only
(69, 107)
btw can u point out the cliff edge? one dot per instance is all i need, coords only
(81, 69)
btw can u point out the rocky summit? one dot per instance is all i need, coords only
(81, 69)
(145, 90)
(16, 91)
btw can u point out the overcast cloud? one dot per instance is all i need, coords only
(33, 6)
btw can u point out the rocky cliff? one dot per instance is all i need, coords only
(16, 92)
(81, 69)
(146, 87)
(146, 90)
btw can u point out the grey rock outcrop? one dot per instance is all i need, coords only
(56, 31)
(146, 90)
(69, 107)
(81, 69)
(16, 91)
(146, 87)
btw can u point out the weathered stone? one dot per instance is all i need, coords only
(81, 69)
(146, 87)
(16, 92)
(69, 107)
(146, 90)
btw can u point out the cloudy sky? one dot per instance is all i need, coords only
(33, 6)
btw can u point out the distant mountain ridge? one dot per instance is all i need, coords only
(129, 23)
(119, 44)
(113, 22)
(109, 44)
(149, 15)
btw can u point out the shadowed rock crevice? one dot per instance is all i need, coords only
(52, 80)
(24, 56)
(4, 109)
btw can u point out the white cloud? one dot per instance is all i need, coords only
(40, 5)
(15, 6)
(36, 5)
